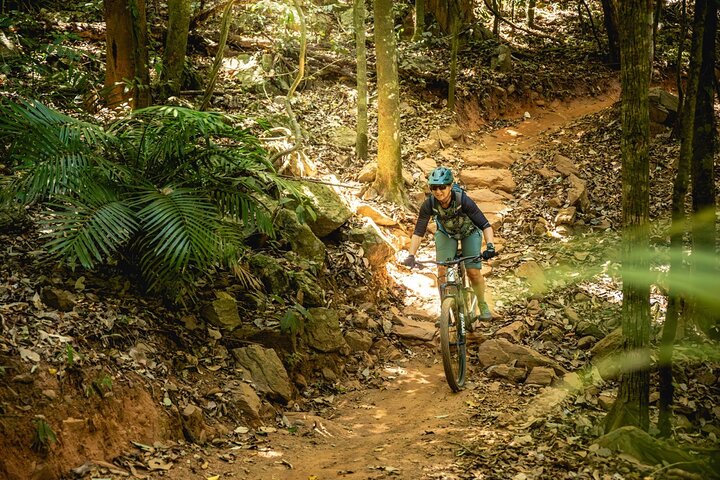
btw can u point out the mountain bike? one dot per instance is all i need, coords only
(459, 307)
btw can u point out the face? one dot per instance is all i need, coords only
(441, 193)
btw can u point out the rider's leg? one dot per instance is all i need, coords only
(445, 249)
(471, 246)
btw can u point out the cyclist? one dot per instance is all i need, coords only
(458, 218)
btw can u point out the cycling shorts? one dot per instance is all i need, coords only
(446, 248)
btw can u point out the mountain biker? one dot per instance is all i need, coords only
(458, 218)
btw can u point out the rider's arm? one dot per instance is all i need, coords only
(420, 226)
(414, 244)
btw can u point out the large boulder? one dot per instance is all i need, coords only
(663, 106)
(270, 272)
(492, 178)
(376, 247)
(481, 157)
(265, 370)
(501, 351)
(301, 238)
(328, 205)
(322, 330)
(222, 312)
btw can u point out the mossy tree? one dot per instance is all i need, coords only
(389, 180)
(632, 404)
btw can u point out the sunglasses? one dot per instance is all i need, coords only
(439, 187)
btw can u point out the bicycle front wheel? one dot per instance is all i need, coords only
(452, 344)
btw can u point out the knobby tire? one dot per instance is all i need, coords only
(451, 346)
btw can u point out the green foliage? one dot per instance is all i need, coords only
(100, 386)
(70, 354)
(49, 63)
(292, 321)
(171, 190)
(43, 437)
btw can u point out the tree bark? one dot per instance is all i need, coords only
(610, 16)
(530, 13)
(361, 142)
(388, 181)
(175, 46)
(677, 229)
(632, 404)
(702, 172)
(127, 76)
(419, 20)
(454, 42)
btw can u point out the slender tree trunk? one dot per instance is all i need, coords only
(496, 21)
(455, 40)
(659, 4)
(127, 76)
(224, 32)
(530, 14)
(361, 143)
(419, 20)
(703, 178)
(175, 46)
(388, 181)
(632, 404)
(610, 16)
(677, 229)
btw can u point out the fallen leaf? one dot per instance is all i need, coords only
(158, 464)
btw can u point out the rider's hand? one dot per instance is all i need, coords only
(409, 261)
(490, 252)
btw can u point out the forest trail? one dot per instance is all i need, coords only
(412, 426)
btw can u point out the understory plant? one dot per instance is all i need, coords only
(173, 191)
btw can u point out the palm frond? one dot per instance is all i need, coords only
(50, 149)
(179, 225)
(165, 137)
(89, 233)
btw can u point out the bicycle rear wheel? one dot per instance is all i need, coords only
(452, 344)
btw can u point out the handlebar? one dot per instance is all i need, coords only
(448, 263)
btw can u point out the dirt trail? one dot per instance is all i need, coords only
(412, 426)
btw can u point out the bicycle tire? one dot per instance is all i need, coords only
(452, 345)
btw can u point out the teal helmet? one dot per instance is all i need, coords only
(440, 176)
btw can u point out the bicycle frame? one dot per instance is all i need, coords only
(457, 285)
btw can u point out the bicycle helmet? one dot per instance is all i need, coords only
(440, 176)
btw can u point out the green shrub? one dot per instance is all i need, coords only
(170, 190)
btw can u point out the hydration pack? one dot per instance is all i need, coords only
(452, 221)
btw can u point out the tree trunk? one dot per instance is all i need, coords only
(441, 10)
(632, 404)
(677, 229)
(361, 143)
(388, 181)
(610, 16)
(496, 21)
(127, 76)
(530, 14)
(454, 41)
(659, 5)
(175, 46)
(703, 178)
(419, 20)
